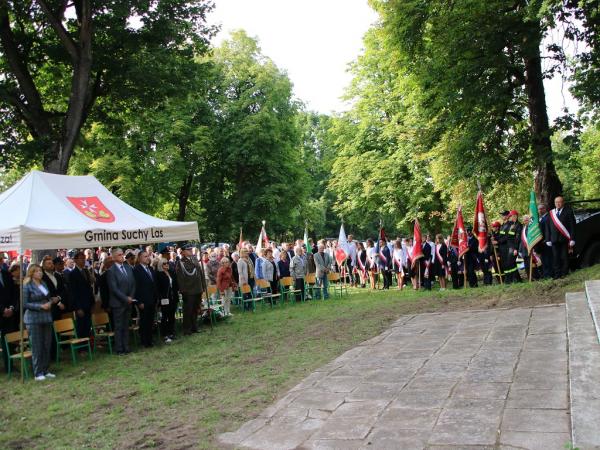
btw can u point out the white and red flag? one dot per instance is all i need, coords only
(342, 251)
(263, 239)
(480, 223)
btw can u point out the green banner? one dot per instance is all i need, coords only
(534, 232)
(308, 246)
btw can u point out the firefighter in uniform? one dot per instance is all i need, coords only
(509, 246)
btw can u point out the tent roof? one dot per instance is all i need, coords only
(44, 210)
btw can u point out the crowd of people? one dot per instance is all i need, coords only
(152, 286)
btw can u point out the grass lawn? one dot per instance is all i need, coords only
(184, 394)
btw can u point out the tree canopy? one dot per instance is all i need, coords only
(444, 96)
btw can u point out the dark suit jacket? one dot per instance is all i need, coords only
(120, 286)
(567, 218)
(544, 225)
(9, 297)
(58, 290)
(7, 292)
(81, 293)
(145, 286)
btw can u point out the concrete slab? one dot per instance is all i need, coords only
(437, 381)
(534, 440)
(584, 368)
(538, 420)
(592, 291)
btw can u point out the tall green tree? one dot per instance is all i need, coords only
(59, 58)
(478, 65)
(259, 172)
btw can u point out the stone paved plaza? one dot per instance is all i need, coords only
(460, 380)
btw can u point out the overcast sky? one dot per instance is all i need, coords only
(314, 40)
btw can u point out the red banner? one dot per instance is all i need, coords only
(480, 223)
(459, 237)
(417, 250)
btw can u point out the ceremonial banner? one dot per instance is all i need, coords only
(417, 251)
(342, 251)
(534, 232)
(307, 242)
(263, 239)
(480, 223)
(459, 237)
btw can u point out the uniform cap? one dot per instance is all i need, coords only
(514, 212)
(496, 224)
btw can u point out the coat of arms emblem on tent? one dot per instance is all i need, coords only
(92, 208)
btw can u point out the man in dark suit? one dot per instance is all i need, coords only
(9, 309)
(146, 295)
(544, 250)
(471, 258)
(81, 295)
(560, 236)
(121, 286)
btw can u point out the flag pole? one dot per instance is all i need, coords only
(465, 268)
(487, 226)
(21, 312)
(530, 265)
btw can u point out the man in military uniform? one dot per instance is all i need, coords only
(192, 283)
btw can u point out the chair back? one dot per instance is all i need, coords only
(287, 281)
(263, 284)
(99, 319)
(15, 336)
(246, 289)
(310, 278)
(63, 325)
(333, 276)
(212, 289)
(67, 315)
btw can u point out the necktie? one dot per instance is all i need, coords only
(123, 270)
(558, 212)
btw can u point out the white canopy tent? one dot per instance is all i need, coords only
(44, 211)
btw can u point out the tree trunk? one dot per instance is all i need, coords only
(547, 182)
(56, 159)
(184, 195)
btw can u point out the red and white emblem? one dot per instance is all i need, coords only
(92, 208)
